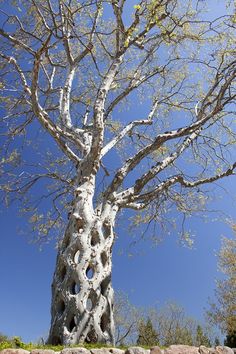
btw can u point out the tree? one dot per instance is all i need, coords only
(202, 338)
(69, 70)
(126, 317)
(147, 334)
(223, 311)
(173, 325)
(3, 338)
(230, 340)
(165, 325)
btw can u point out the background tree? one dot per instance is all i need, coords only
(202, 338)
(126, 317)
(230, 340)
(69, 70)
(147, 334)
(223, 312)
(165, 325)
(173, 325)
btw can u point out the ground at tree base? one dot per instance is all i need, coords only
(173, 349)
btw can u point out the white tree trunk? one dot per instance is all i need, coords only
(82, 295)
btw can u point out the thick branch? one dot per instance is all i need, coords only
(56, 132)
(120, 29)
(192, 130)
(160, 166)
(140, 201)
(65, 99)
(98, 118)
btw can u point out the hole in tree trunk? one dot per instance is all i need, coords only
(77, 257)
(104, 258)
(91, 337)
(62, 273)
(75, 288)
(80, 225)
(90, 272)
(104, 322)
(89, 304)
(61, 307)
(106, 229)
(72, 325)
(94, 238)
(104, 284)
(91, 300)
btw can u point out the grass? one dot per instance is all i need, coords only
(16, 342)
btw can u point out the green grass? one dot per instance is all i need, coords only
(17, 343)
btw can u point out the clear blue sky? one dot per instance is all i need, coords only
(154, 274)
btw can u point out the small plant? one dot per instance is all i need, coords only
(18, 342)
(5, 345)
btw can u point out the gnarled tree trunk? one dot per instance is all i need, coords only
(82, 295)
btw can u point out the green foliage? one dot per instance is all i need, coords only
(3, 338)
(164, 326)
(147, 334)
(223, 311)
(5, 345)
(202, 338)
(16, 342)
(5, 341)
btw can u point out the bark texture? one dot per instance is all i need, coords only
(82, 294)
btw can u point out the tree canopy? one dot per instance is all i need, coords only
(223, 311)
(77, 69)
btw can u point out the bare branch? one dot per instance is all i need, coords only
(43, 117)
(12, 60)
(140, 201)
(17, 41)
(121, 135)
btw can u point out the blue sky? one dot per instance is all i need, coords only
(152, 275)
